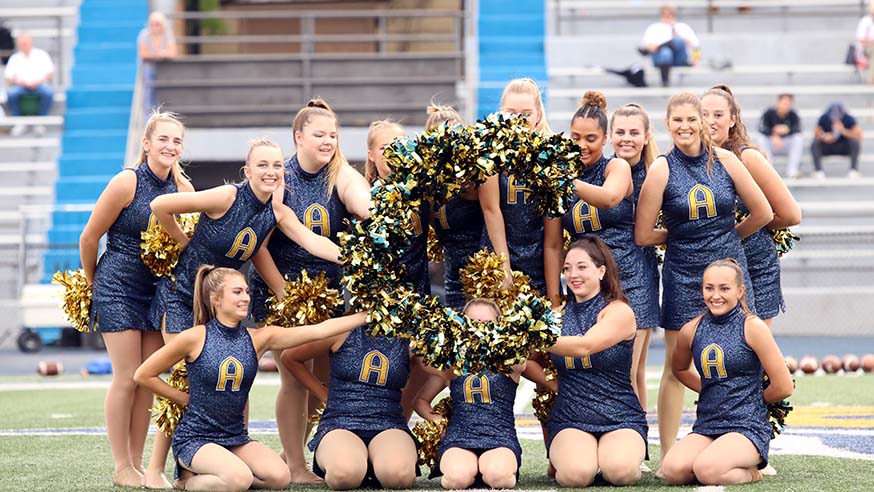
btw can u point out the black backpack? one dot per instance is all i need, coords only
(7, 43)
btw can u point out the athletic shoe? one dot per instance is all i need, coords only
(819, 176)
(769, 471)
(854, 174)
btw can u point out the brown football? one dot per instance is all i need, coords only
(831, 364)
(851, 363)
(791, 364)
(808, 364)
(868, 362)
(49, 368)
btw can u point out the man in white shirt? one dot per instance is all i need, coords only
(29, 71)
(669, 42)
(865, 41)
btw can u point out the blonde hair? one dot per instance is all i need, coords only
(441, 113)
(370, 172)
(315, 108)
(733, 265)
(682, 98)
(209, 280)
(156, 117)
(482, 301)
(260, 142)
(529, 86)
(650, 149)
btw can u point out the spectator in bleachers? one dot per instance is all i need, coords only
(670, 42)
(865, 41)
(780, 133)
(29, 72)
(837, 133)
(154, 43)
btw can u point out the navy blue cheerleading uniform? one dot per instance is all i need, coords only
(616, 227)
(415, 256)
(699, 215)
(124, 286)
(219, 381)
(482, 414)
(638, 176)
(367, 375)
(731, 398)
(459, 226)
(594, 392)
(229, 241)
(307, 195)
(523, 226)
(763, 265)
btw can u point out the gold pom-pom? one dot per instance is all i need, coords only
(483, 276)
(159, 251)
(316, 417)
(167, 412)
(307, 301)
(76, 299)
(435, 249)
(544, 397)
(430, 433)
(784, 239)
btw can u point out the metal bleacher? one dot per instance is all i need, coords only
(760, 49)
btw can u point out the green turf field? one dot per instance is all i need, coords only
(36, 455)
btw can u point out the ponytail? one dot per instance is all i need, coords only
(319, 107)
(441, 113)
(208, 281)
(733, 265)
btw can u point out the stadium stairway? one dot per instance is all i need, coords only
(511, 45)
(828, 279)
(97, 118)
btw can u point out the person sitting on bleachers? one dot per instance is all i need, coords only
(780, 133)
(155, 42)
(669, 42)
(837, 133)
(29, 72)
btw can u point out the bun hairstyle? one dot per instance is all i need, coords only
(733, 265)
(593, 106)
(650, 150)
(683, 98)
(158, 116)
(315, 108)
(370, 172)
(441, 113)
(208, 281)
(600, 253)
(738, 136)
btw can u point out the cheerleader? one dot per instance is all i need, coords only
(123, 286)
(211, 445)
(633, 141)
(695, 186)
(596, 422)
(730, 348)
(234, 221)
(362, 439)
(459, 223)
(480, 445)
(604, 206)
(323, 190)
(505, 200)
(727, 130)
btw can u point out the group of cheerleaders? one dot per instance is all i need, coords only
(285, 217)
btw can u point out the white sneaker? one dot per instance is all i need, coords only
(644, 468)
(769, 471)
(854, 174)
(39, 130)
(819, 175)
(18, 130)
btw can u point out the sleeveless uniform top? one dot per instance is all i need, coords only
(482, 414)
(616, 227)
(764, 269)
(219, 380)
(459, 225)
(524, 230)
(699, 214)
(229, 241)
(367, 375)
(731, 399)
(307, 195)
(123, 285)
(594, 392)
